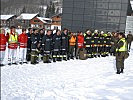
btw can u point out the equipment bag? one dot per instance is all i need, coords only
(126, 55)
(83, 54)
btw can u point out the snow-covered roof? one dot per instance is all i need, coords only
(44, 20)
(27, 16)
(48, 19)
(131, 4)
(5, 17)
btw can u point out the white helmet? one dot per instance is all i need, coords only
(88, 31)
(109, 32)
(102, 32)
(96, 31)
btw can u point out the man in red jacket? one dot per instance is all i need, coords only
(80, 43)
(22, 39)
(3, 41)
(12, 38)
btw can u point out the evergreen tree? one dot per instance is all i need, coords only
(23, 10)
(41, 11)
(57, 11)
(47, 12)
(53, 9)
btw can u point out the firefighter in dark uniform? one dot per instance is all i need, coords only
(41, 34)
(34, 46)
(105, 45)
(28, 56)
(64, 44)
(47, 46)
(108, 44)
(95, 42)
(88, 43)
(57, 46)
(100, 43)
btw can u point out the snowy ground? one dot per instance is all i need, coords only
(92, 79)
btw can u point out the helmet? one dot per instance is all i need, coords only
(88, 31)
(102, 32)
(109, 33)
(96, 31)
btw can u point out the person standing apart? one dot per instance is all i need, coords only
(129, 40)
(121, 49)
(22, 39)
(12, 38)
(3, 41)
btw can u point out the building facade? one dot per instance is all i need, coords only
(41, 22)
(56, 22)
(129, 24)
(107, 15)
(7, 20)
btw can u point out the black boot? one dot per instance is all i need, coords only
(2, 65)
(54, 59)
(49, 61)
(15, 63)
(20, 63)
(59, 59)
(9, 64)
(68, 58)
(64, 58)
(33, 63)
(121, 70)
(118, 72)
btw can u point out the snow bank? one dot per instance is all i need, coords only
(91, 79)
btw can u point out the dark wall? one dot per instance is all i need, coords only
(107, 15)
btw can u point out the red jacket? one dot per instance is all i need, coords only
(11, 45)
(3, 41)
(80, 41)
(22, 39)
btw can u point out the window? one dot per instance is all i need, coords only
(113, 13)
(23, 21)
(115, 6)
(36, 21)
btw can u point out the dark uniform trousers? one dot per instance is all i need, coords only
(28, 55)
(56, 55)
(46, 57)
(120, 60)
(71, 51)
(89, 51)
(34, 56)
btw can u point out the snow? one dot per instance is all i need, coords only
(131, 4)
(44, 19)
(5, 17)
(92, 79)
(27, 16)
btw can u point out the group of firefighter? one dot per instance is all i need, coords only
(48, 46)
